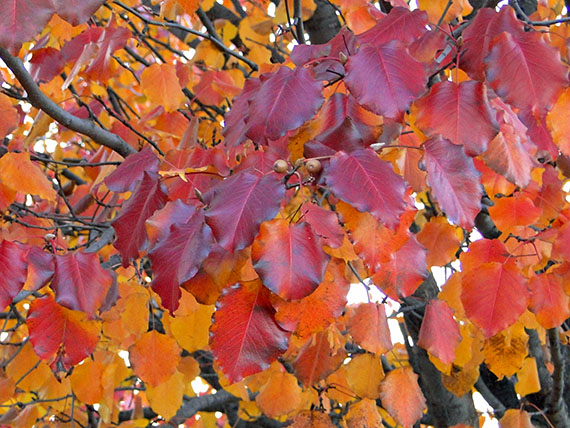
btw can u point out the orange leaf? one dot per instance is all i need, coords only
(548, 300)
(364, 374)
(9, 116)
(19, 173)
(159, 83)
(527, 378)
(505, 352)
(86, 381)
(166, 397)
(402, 397)
(280, 395)
(364, 414)
(439, 333)
(154, 357)
(515, 418)
(368, 327)
(441, 239)
(311, 419)
(557, 123)
(508, 213)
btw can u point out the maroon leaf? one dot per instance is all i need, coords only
(21, 20)
(13, 270)
(77, 11)
(244, 337)
(239, 204)
(178, 256)
(130, 224)
(460, 113)
(325, 223)
(540, 75)
(289, 258)
(131, 171)
(41, 267)
(60, 336)
(477, 37)
(174, 212)
(454, 181)
(73, 49)
(235, 120)
(385, 79)
(399, 24)
(80, 283)
(285, 100)
(46, 63)
(367, 182)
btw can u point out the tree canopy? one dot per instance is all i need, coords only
(190, 189)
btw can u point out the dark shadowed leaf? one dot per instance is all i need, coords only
(285, 100)
(540, 73)
(368, 183)
(289, 258)
(244, 337)
(385, 79)
(13, 270)
(461, 113)
(178, 256)
(239, 204)
(60, 336)
(131, 171)
(130, 224)
(454, 181)
(399, 24)
(21, 20)
(80, 283)
(235, 119)
(41, 265)
(77, 11)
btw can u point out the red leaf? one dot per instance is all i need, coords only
(454, 181)
(367, 182)
(399, 24)
(41, 266)
(494, 296)
(13, 270)
(460, 113)
(244, 337)
(77, 11)
(60, 336)
(548, 300)
(80, 283)
(102, 66)
(439, 333)
(540, 73)
(132, 170)
(477, 37)
(178, 256)
(402, 396)
(289, 258)
(385, 79)
(46, 63)
(538, 132)
(285, 100)
(483, 251)
(324, 223)
(368, 327)
(239, 204)
(403, 274)
(235, 119)
(22, 20)
(130, 224)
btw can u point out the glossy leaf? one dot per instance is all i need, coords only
(494, 296)
(461, 113)
(178, 256)
(454, 181)
(289, 258)
(80, 283)
(367, 182)
(154, 357)
(276, 106)
(402, 397)
(130, 225)
(245, 338)
(385, 79)
(541, 75)
(60, 336)
(439, 333)
(239, 204)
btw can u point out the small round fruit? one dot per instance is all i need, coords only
(280, 166)
(313, 166)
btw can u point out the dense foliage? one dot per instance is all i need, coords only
(190, 188)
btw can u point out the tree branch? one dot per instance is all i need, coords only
(558, 413)
(41, 101)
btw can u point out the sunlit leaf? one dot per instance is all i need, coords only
(19, 173)
(402, 397)
(439, 333)
(154, 357)
(160, 84)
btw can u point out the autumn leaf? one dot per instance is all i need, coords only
(402, 397)
(154, 357)
(441, 239)
(13, 268)
(368, 327)
(9, 116)
(19, 173)
(160, 84)
(280, 395)
(364, 414)
(439, 333)
(131, 171)
(22, 21)
(400, 24)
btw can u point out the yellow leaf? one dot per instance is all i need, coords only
(280, 395)
(7, 389)
(515, 418)
(364, 374)
(19, 173)
(528, 382)
(461, 381)
(364, 414)
(160, 84)
(191, 328)
(86, 381)
(166, 398)
(435, 9)
(154, 357)
(505, 352)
